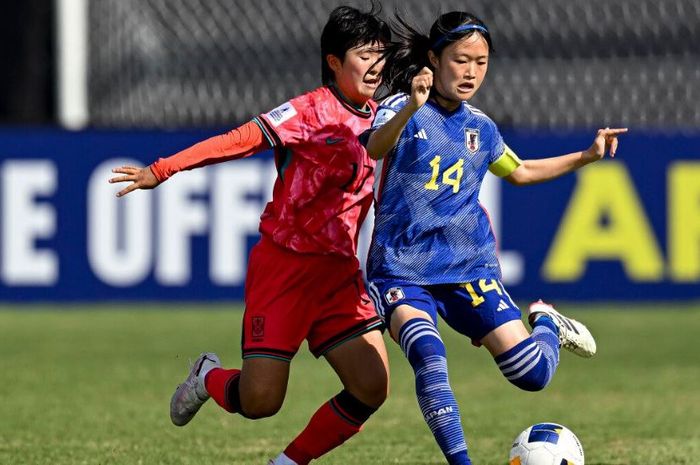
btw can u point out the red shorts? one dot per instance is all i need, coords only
(290, 297)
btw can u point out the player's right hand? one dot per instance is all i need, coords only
(140, 178)
(420, 87)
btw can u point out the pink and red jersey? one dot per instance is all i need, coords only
(324, 186)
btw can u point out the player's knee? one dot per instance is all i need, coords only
(372, 394)
(420, 340)
(260, 408)
(372, 388)
(377, 395)
(261, 403)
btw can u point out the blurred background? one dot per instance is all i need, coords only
(88, 85)
(103, 300)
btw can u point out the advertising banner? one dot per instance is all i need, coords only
(617, 230)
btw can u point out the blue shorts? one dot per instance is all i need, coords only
(474, 309)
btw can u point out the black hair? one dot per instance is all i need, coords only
(409, 54)
(348, 27)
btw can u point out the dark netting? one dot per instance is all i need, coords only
(559, 63)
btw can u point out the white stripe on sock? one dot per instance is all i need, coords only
(522, 361)
(416, 326)
(525, 370)
(419, 334)
(518, 355)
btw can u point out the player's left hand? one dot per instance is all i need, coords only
(605, 142)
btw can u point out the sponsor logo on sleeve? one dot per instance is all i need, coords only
(382, 117)
(281, 114)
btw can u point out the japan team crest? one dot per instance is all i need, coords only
(393, 295)
(471, 139)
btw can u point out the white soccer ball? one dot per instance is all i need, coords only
(546, 444)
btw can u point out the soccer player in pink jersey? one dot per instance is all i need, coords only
(303, 280)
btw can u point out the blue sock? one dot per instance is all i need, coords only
(546, 334)
(531, 364)
(420, 341)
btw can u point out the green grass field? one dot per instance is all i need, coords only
(92, 386)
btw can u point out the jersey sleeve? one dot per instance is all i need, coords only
(237, 143)
(389, 107)
(503, 161)
(290, 123)
(506, 163)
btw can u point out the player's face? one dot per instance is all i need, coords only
(358, 76)
(461, 67)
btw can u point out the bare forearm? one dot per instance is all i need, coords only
(385, 138)
(544, 169)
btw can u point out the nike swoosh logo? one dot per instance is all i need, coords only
(333, 140)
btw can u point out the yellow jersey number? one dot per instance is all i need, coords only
(452, 176)
(491, 285)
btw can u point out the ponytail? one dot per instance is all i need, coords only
(405, 57)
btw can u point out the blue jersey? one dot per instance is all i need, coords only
(429, 225)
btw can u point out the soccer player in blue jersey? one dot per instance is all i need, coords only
(433, 251)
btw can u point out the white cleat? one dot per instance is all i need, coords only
(191, 394)
(573, 335)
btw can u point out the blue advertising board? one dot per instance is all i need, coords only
(622, 229)
(625, 229)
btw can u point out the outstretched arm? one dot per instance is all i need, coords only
(544, 169)
(237, 143)
(383, 139)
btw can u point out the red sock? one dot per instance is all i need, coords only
(222, 386)
(331, 425)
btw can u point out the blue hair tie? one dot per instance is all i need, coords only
(462, 28)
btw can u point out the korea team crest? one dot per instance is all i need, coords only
(471, 139)
(258, 329)
(393, 295)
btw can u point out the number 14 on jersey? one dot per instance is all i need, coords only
(451, 176)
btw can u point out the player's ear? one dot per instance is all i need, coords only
(433, 59)
(334, 63)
